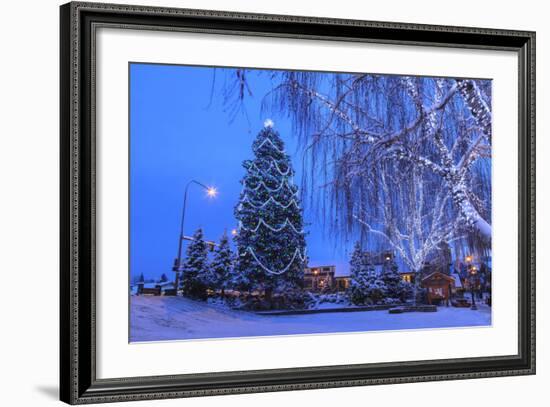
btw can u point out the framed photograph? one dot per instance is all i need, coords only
(255, 203)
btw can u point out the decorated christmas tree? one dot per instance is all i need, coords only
(195, 267)
(270, 239)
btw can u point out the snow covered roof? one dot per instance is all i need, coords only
(166, 284)
(439, 275)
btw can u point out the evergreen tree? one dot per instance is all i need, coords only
(376, 290)
(140, 281)
(360, 273)
(366, 285)
(271, 239)
(195, 267)
(396, 288)
(221, 267)
(163, 278)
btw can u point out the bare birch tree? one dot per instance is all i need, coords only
(367, 118)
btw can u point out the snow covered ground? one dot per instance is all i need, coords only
(171, 318)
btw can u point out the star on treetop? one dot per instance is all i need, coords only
(269, 123)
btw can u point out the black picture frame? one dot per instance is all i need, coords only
(78, 382)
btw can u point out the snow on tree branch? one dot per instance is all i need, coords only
(477, 106)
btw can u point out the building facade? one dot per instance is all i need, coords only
(319, 278)
(323, 278)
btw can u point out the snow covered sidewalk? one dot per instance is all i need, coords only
(172, 318)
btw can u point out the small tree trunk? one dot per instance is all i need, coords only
(268, 295)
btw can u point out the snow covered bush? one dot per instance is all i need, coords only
(333, 299)
(375, 291)
(290, 300)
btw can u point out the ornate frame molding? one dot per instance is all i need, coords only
(79, 21)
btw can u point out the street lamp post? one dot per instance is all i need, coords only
(211, 192)
(472, 271)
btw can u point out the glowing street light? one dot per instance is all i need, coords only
(234, 232)
(211, 192)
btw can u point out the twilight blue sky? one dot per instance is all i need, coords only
(178, 132)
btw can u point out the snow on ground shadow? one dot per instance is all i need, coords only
(176, 318)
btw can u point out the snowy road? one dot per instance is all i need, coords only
(169, 318)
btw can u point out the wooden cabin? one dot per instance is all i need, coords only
(439, 287)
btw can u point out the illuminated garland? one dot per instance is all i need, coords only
(272, 228)
(271, 199)
(271, 165)
(268, 140)
(261, 183)
(268, 270)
